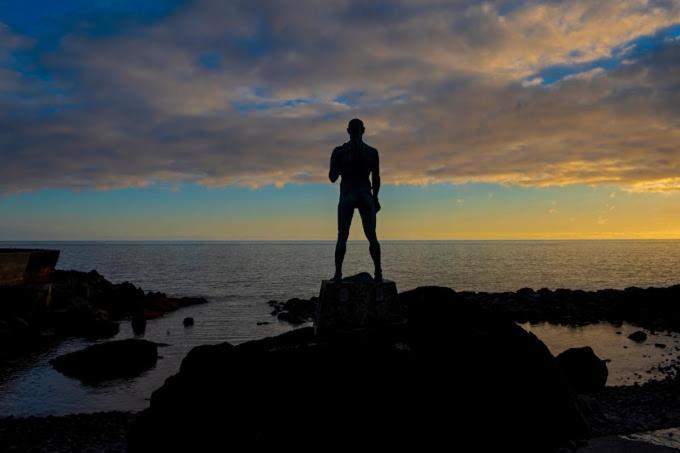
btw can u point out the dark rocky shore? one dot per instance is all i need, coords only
(651, 308)
(76, 304)
(457, 369)
(103, 432)
(450, 372)
(633, 408)
(612, 411)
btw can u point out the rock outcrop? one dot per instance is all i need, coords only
(449, 375)
(638, 336)
(295, 311)
(585, 372)
(110, 360)
(80, 304)
(651, 308)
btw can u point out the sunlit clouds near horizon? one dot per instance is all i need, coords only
(523, 96)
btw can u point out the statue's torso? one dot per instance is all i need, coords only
(356, 164)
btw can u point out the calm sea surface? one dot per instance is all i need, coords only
(240, 277)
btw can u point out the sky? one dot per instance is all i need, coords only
(205, 119)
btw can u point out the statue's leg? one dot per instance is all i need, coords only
(368, 221)
(345, 214)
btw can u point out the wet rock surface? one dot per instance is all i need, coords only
(464, 371)
(110, 360)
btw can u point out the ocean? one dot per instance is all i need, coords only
(238, 278)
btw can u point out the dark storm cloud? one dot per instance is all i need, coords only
(256, 93)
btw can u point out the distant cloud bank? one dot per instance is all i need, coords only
(258, 92)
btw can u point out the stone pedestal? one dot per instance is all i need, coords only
(355, 303)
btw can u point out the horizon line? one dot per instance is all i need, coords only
(333, 240)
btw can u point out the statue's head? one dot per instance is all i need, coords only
(355, 128)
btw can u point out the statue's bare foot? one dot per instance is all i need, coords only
(378, 276)
(337, 277)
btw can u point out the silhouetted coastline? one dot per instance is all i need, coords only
(76, 304)
(652, 308)
(454, 324)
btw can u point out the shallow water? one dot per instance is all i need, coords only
(664, 437)
(33, 387)
(628, 362)
(240, 277)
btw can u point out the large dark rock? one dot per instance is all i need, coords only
(585, 371)
(156, 304)
(81, 319)
(294, 311)
(73, 288)
(110, 360)
(75, 304)
(452, 374)
(638, 336)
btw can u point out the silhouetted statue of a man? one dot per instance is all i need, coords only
(355, 161)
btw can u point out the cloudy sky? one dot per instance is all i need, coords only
(208, 119)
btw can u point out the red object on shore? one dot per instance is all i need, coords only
(24, 266)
